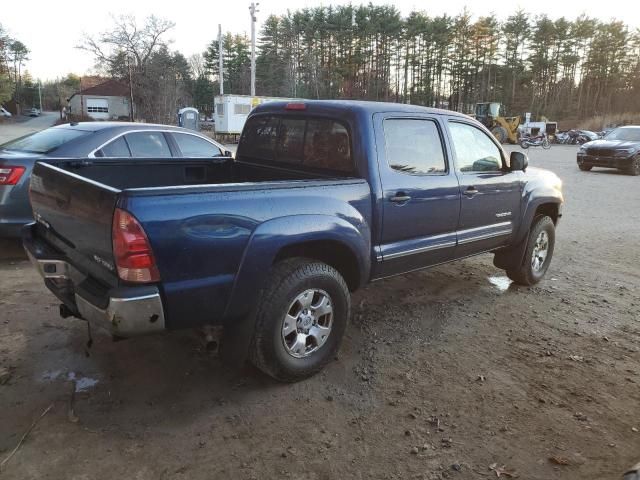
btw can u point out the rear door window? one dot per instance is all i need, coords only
(148, 145)
(414, 146)
(117, 148)
(195, 147)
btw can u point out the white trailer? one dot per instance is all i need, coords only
(231, 111)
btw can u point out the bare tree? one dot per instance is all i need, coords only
(133, 53)
(197, 65)
(129, 39)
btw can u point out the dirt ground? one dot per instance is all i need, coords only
(446, 373)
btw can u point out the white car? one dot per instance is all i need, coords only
(4, 112)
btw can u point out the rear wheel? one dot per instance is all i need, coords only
(537, 256)
(301, 318)
(584, 168)
(634, 168)
(524, 143)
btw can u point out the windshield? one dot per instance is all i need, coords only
(45, 141)
(624, 134)
(495, 110)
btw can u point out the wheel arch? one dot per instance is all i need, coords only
(330, 239)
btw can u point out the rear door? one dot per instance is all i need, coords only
(421, 197)
(490, 193)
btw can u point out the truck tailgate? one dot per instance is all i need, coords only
(75, 216)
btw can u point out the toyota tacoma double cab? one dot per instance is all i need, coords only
(321, 198)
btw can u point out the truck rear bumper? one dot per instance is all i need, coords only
(125, 316)
(130, 311)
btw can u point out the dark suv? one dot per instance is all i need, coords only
(619, 149)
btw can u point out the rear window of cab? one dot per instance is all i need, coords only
(309, 142)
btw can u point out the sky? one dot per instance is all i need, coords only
(52, 29)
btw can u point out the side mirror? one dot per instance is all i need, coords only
(228, 153)
(519, 161)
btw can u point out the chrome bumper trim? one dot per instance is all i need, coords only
(123, 317)
(126, 317)
(50, 268)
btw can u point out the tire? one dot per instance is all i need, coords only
(500, 133)
(634, 168)
(280, 354)
(633, 473)
(546, 144)
(524, 144)
(532, 270)
(585, 168)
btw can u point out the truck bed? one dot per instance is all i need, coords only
(199, 216)
(128, 174)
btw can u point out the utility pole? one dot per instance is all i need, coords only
(40, 95)
(253, 10)
(220, 60)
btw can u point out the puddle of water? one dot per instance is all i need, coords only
(500, 282)
(51, 375)
(82, 383)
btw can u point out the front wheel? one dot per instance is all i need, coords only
(537, 256)
(634, 168)
(584, 168)
(546, 144)
(301, 318)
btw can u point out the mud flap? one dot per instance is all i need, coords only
(510, 258)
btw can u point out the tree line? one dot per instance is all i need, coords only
(561, 69)
(556, 68)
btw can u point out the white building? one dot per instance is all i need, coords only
(231, 111)
(107, 101)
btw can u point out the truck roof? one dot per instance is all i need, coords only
(355, 106)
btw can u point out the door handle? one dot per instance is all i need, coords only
(471, 191)
(400, 197)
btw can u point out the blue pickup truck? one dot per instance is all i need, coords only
(322, 198)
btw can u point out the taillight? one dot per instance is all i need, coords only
(132, 250)
(10, 175)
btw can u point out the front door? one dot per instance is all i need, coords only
(490, 193)
(421, 197)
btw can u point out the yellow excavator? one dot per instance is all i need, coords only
(491, 115)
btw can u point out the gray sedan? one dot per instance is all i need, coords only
(86, 141)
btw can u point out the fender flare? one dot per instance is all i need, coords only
(513, 255)
(272, 236)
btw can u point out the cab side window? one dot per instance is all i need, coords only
(414, 146)
(475, 151)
